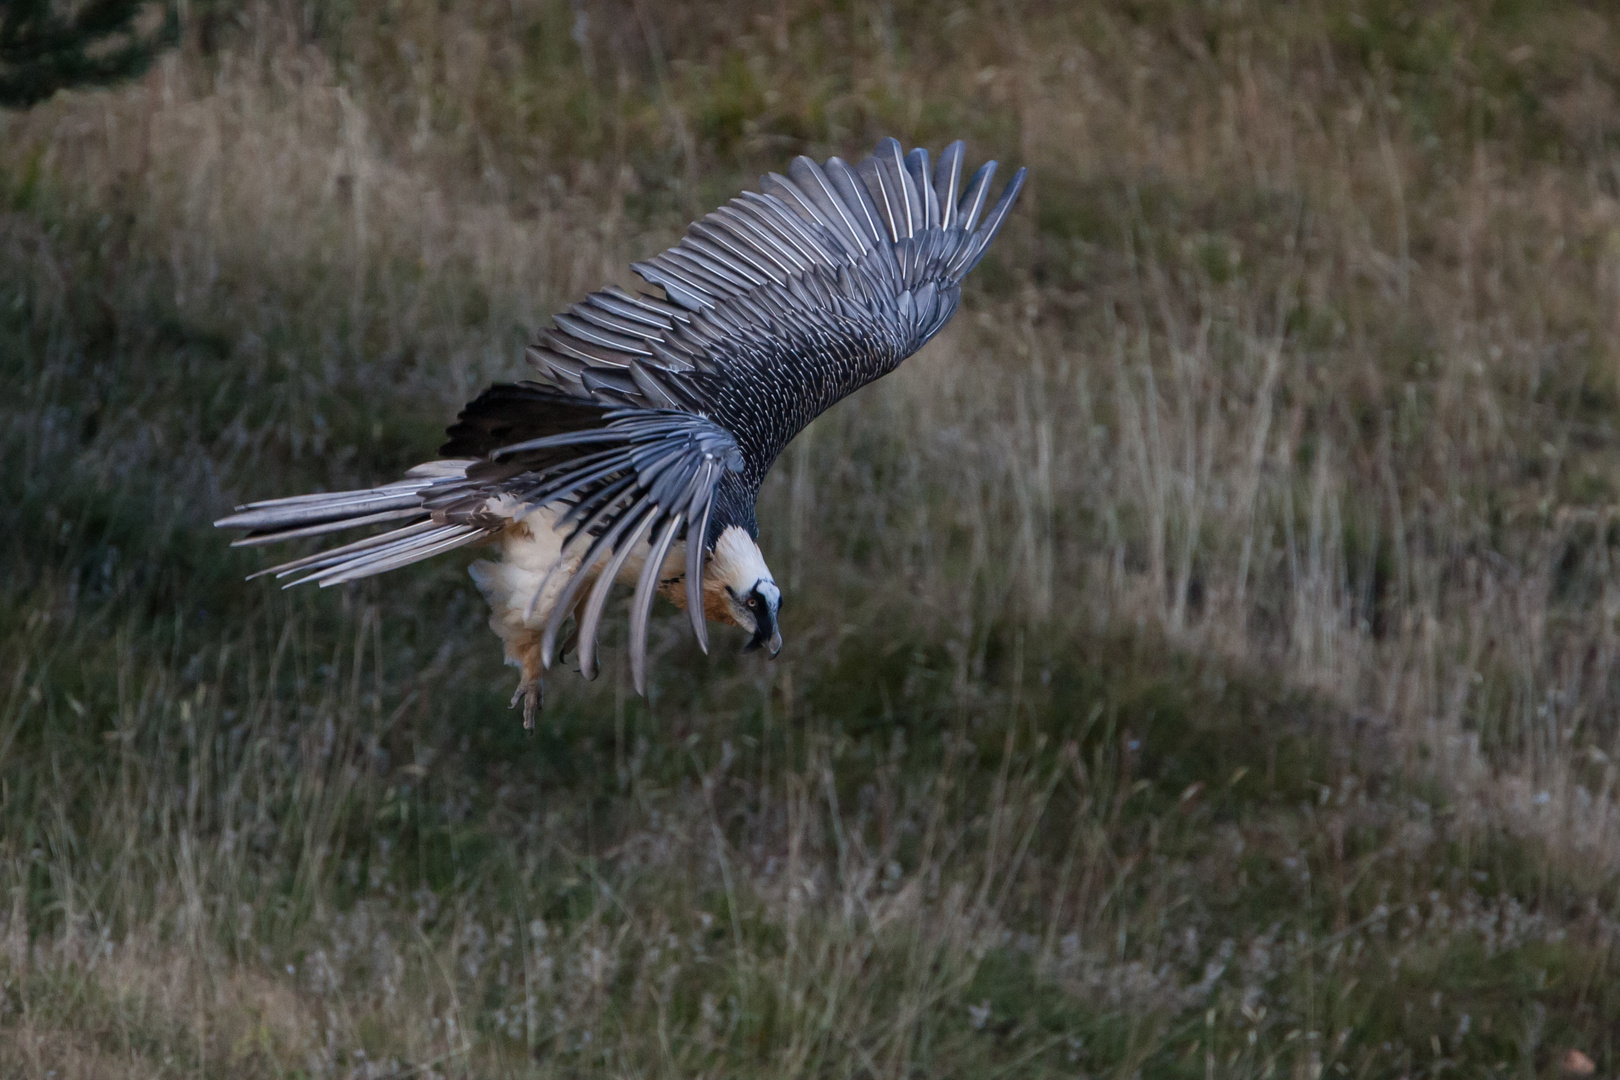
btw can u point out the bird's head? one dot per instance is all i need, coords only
(740, 590)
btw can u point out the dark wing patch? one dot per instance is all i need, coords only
(508, 413)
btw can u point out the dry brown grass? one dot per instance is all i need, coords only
(1201, 658)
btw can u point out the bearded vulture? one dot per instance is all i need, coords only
(636, 455)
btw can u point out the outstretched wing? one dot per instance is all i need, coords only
(782, 302)
(635, 476)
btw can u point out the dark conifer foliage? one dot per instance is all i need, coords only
(46, 46)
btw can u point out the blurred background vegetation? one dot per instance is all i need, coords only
(46, 47)
(1201, 659)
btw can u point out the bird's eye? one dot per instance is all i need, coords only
(753, 601)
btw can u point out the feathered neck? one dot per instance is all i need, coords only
(734, 568)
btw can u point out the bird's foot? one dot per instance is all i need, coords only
(533, 695)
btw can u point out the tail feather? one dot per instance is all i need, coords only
(273, 514)
(391, 556)
(334, 524)
(332, 556)
(417, 537)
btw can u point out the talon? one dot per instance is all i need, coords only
(533, 697)
(571, 642)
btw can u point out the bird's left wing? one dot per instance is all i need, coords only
(634, 477)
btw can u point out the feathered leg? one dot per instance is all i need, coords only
(521, 590)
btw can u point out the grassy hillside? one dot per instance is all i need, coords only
(1201, 659)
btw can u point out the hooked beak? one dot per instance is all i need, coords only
(766, 632)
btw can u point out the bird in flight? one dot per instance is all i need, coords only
(636, 455)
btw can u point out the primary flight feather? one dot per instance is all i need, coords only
(637, 454)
